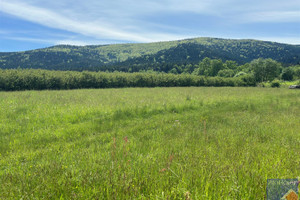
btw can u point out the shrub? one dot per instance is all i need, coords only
(275, 83)
(31, 79)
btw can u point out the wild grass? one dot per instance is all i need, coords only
(147, 143)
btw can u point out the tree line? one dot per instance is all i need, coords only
(36, 79)
(262, 69)
(208, 72)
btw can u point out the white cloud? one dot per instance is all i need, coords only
(272, 16)
(123, 20)
(97, 28)
(55, 20)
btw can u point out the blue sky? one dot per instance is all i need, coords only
(31, 24)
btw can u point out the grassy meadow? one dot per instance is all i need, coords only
(147, 143)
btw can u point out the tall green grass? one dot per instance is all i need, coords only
(147, 143)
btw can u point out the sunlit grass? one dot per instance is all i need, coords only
(147, 143)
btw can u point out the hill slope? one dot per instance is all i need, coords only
(123, 56)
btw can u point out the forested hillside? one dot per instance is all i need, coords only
(134, 57)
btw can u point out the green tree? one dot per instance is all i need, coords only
(216, 66)
(226, 73)
(204, 67)
(188, 68)
(245, 68)
(265, 69)
(296, 70)
(287, 74)
(209, 67)
(173, 71)
(229, 64)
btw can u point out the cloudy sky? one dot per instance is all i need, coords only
(30, 24)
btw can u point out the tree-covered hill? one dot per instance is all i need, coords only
(123, 57)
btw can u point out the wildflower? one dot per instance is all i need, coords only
(163, 170)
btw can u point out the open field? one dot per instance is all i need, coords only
(147, 143)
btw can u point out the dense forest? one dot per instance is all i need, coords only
(160, 56)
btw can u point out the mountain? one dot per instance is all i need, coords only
(123, 56)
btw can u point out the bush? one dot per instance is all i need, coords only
(226, 73)
(275, 84)
(262, 84)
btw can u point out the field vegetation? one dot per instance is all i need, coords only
(147, 143)
(208, 72)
